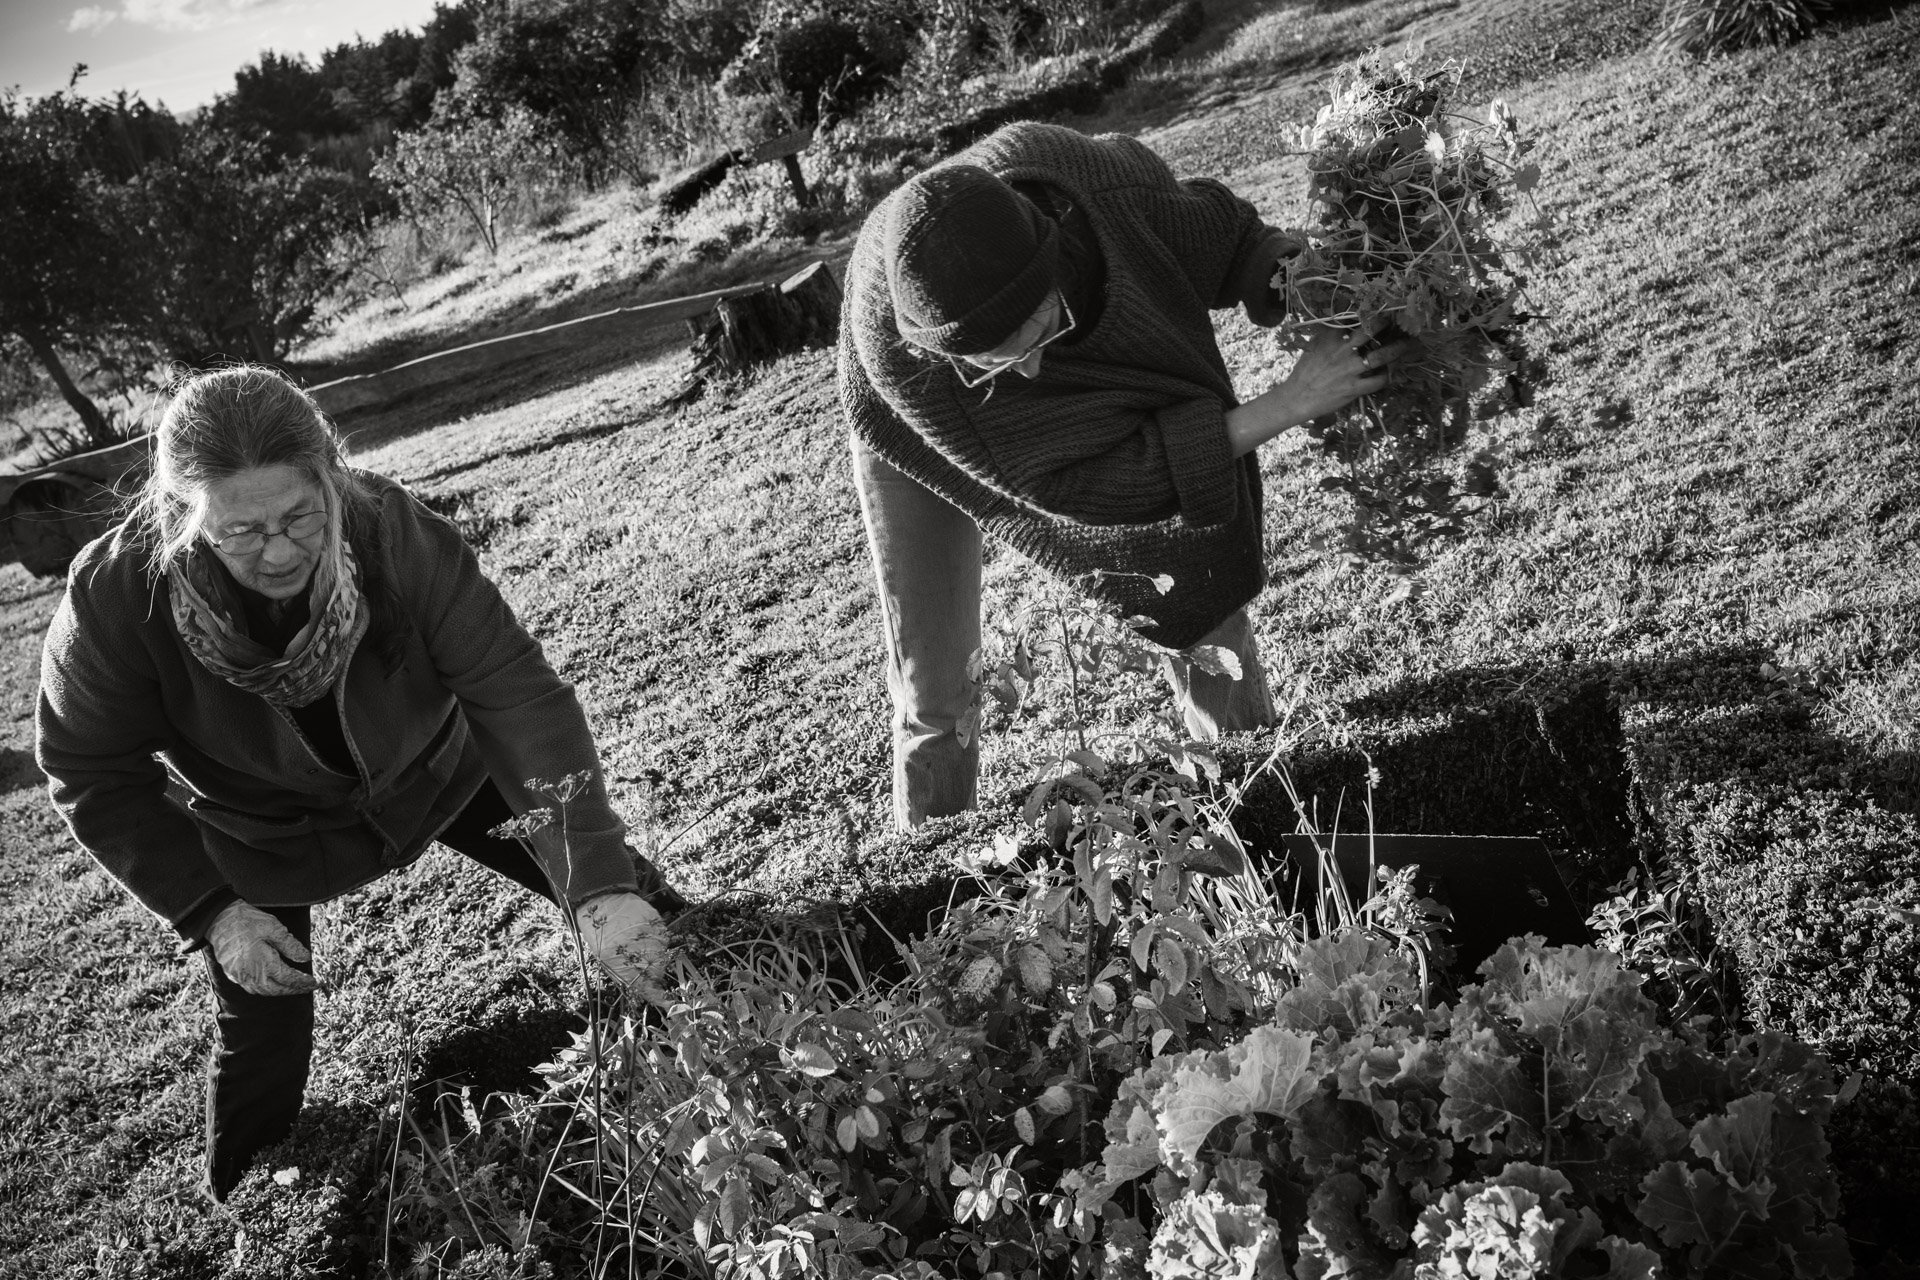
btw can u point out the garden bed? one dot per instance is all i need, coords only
(1709, 769)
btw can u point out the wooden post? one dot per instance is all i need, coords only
(787, 148)
(801, 196)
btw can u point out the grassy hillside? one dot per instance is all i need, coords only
(1716, 493)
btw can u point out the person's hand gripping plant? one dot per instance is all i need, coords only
(1414, 236)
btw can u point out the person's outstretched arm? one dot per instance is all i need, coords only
(1333, 371)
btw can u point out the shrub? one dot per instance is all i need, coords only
(826, 63)
(706, 35)
(1701, 28)
(1811, 885)
(673, 119)
(575, 64)
(64, 258)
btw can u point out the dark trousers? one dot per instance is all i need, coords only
(257, 1075)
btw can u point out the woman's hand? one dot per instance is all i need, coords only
(626, 935)
(254, 949)
(1334, 370)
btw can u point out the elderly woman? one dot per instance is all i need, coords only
(281, 678)
(1117, 458)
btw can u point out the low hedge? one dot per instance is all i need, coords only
(1798, 859)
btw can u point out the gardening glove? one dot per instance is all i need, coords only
(627, 936)
(1266, 306)
(254, 950)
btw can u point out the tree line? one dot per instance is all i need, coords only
(133, 239)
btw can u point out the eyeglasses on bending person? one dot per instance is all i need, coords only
(246, 542)
(974, 373)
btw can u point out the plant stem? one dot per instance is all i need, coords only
(1073, 683)
(393, 1165)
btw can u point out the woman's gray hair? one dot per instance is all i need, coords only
(233, 420)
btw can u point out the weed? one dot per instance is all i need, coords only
(1407, 196)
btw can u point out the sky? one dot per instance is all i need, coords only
(182, 53)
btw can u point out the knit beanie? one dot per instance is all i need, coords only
(969, 259)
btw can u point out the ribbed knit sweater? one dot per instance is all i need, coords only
(1112, 467)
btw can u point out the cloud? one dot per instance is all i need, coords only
(164, 15)
(91, 18)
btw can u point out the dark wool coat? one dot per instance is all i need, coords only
(1112, 467)
(185, 788)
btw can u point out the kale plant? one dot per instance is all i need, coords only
(1549, 1123)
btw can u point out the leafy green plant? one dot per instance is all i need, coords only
(1550, 1122)
(1276, 1095)
(797, 1112)
(464, 1195)
(1655, 925)
(1701, 28)
(802, 1110)
(1411, 239)
(1056, 648)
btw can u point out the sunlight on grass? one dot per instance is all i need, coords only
(1727, 454)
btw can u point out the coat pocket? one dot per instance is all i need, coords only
(442, 757)
(248, 828)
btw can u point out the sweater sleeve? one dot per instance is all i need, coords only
(1215, 235)
(98, 723)
(526, 720)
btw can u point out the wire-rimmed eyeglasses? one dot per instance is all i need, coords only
(972, 374)
(245, 542)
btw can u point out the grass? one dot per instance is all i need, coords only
(1725, 457)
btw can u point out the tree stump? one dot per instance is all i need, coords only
(753, 328)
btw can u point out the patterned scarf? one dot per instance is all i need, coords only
(209, 618)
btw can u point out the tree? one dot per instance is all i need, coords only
(65, 266)
(450, 30)
(242, 247)
(475, 164)
(576, 64)
(281, 102)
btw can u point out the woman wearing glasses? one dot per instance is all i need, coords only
(280, 678)
(1116, 453)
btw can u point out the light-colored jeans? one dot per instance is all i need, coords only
(926, 556)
